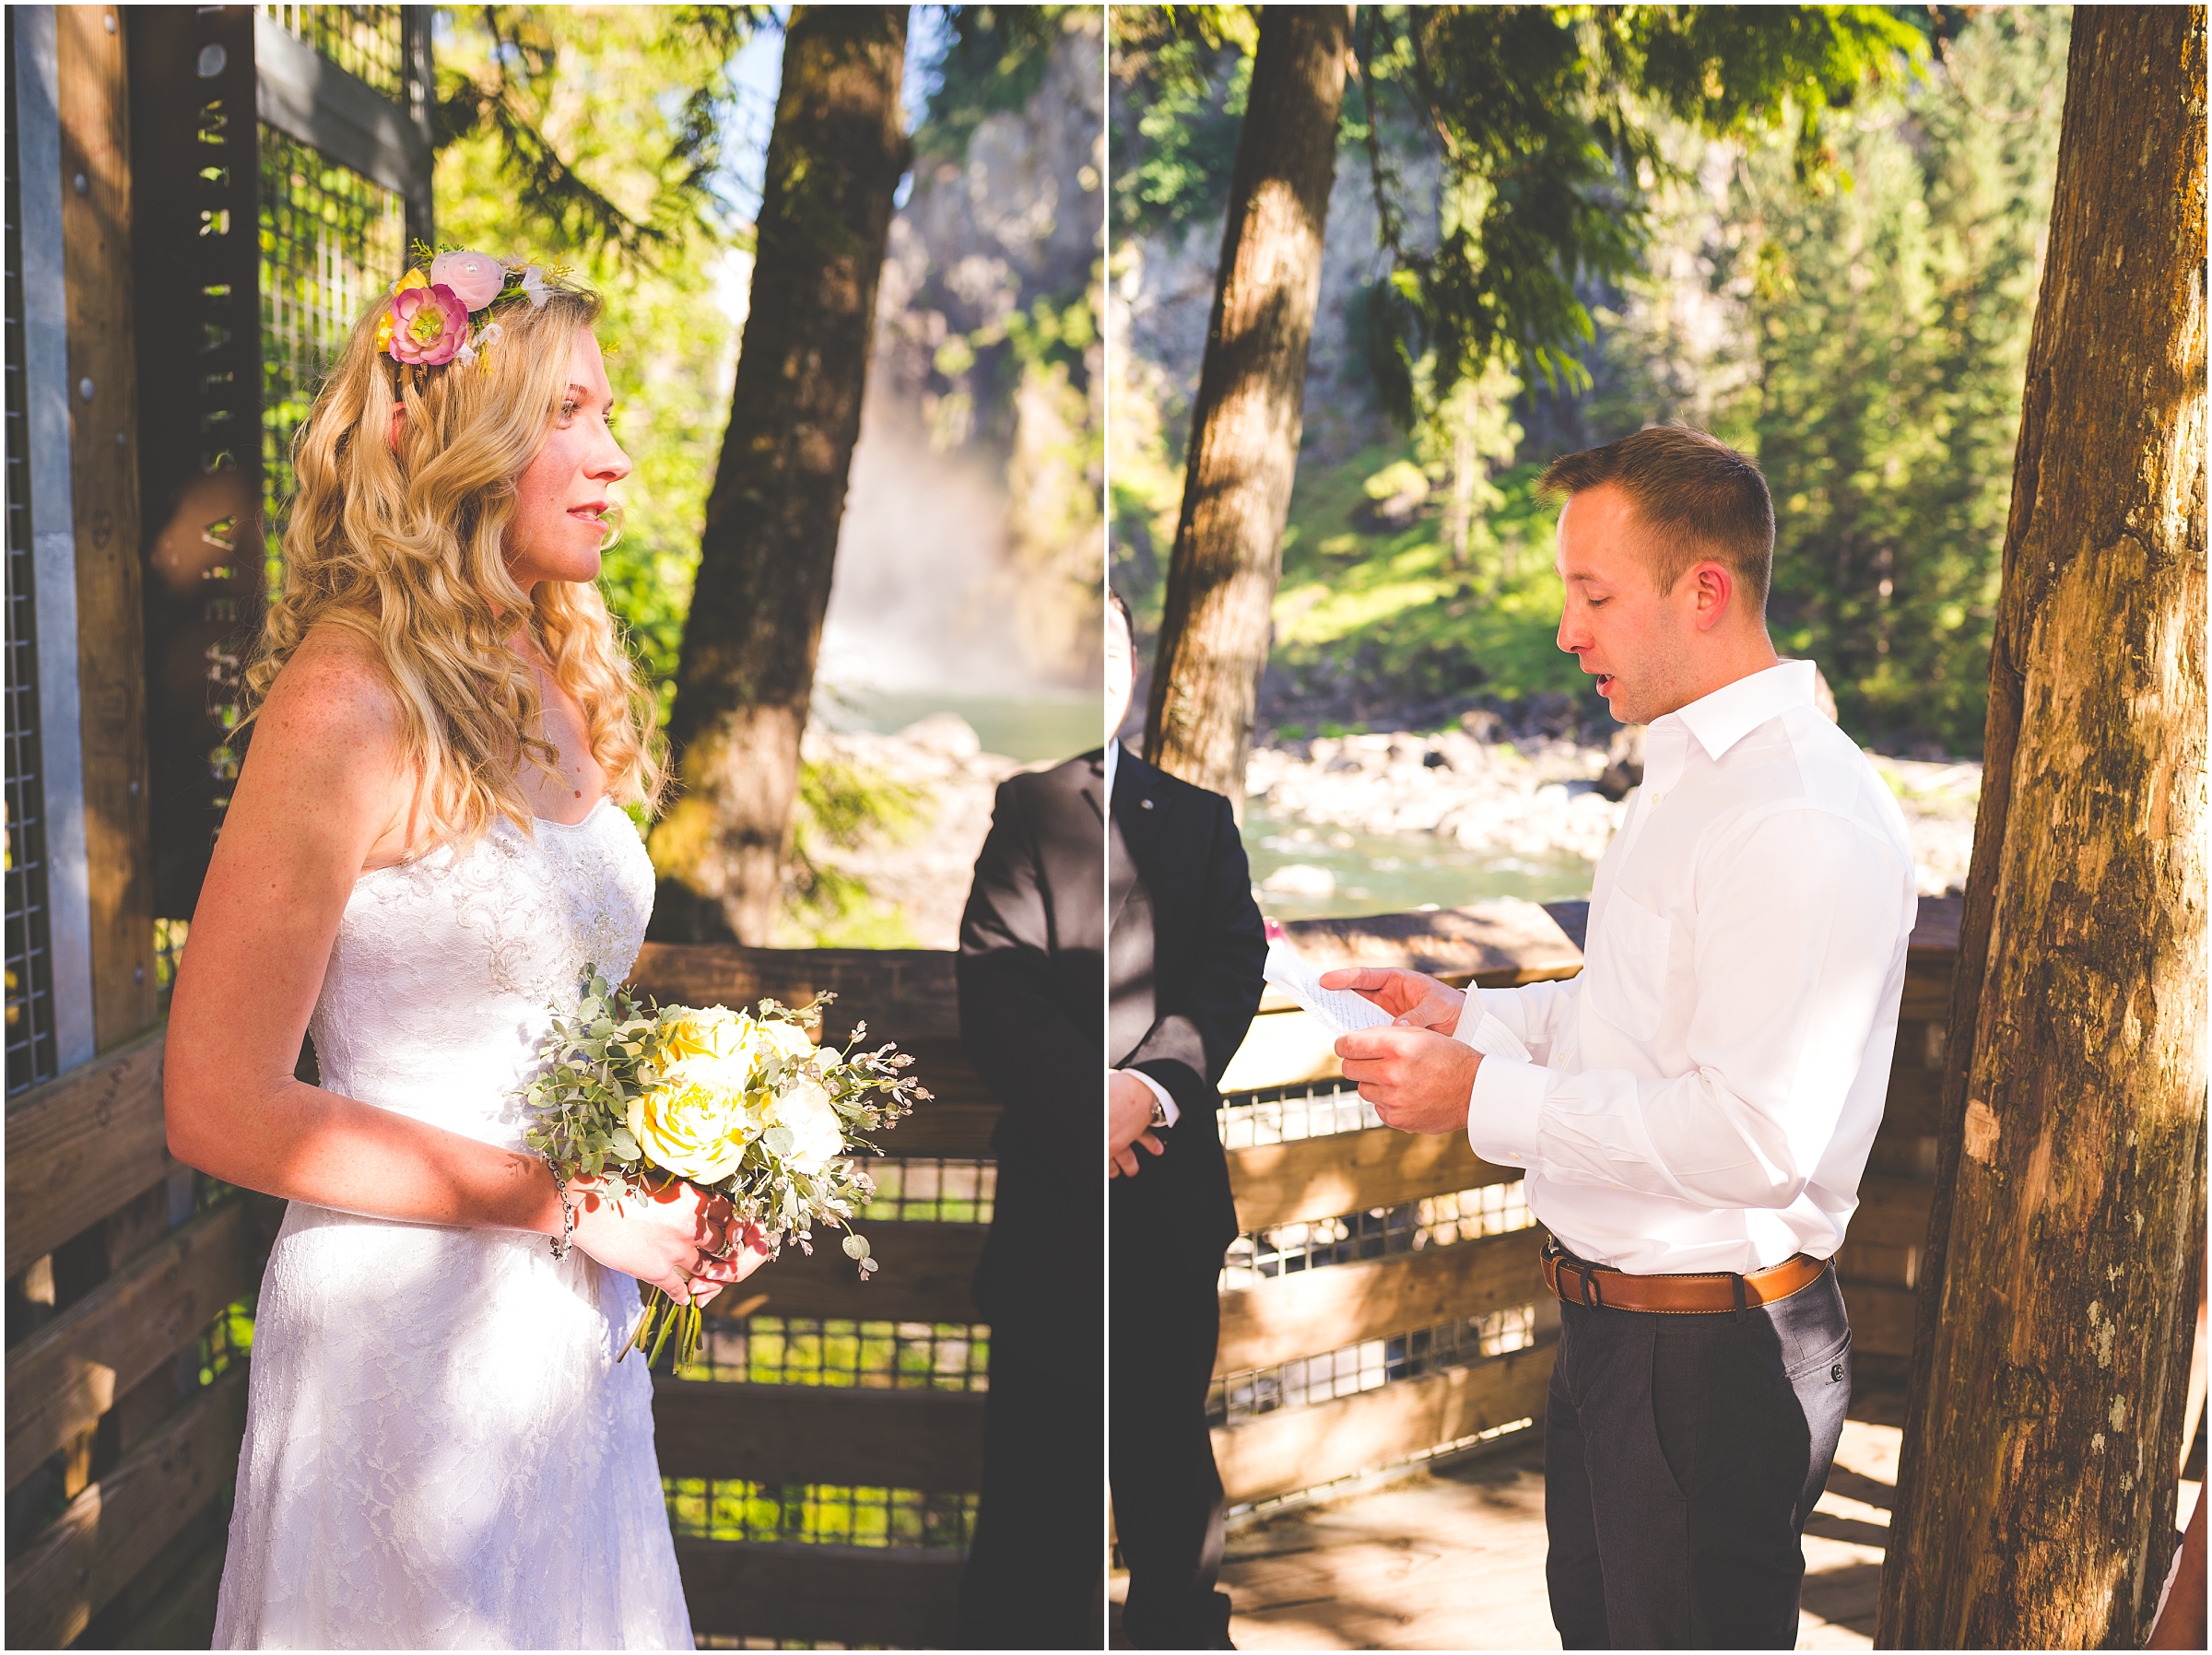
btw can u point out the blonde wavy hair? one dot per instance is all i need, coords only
(402, 548)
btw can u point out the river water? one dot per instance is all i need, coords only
(1391, 873)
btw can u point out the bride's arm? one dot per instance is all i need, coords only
(323, 794)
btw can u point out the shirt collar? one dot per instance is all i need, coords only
(1724, 718)
(1113, 749)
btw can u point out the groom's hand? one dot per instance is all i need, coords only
(1418, 1081)
(1413, 999)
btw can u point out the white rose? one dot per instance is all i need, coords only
(812, 1122)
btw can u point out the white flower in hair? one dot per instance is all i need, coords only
(464, 354)
(490, 334)
(534, 285)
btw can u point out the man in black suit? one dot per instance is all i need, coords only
(1031, 984)
(1184, 947)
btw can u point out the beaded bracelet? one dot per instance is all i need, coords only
(562, 1242)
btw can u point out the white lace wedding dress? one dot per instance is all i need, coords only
(441, 1451)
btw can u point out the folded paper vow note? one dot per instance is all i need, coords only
(1340, 1009)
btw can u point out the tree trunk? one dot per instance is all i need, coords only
(2035, 1501)
(1250, 412)
(746, 672)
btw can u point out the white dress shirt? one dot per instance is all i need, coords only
(1703, 1096)
(1167, 1104)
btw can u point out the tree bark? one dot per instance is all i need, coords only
(746, 675)
(2036, 1497)
(1251, 406)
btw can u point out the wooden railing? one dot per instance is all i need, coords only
(930, 1441)
(1322, 1310)
(132, 1454)
(121, 1278)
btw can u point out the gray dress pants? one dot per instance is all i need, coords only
(1682, 1455)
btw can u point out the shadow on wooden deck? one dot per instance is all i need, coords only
(1453, 1559)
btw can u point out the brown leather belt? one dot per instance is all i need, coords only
(1600, 1287)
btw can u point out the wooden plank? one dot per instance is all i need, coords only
(1881, 1319)
(182, 1617)
(927, 1439)
(1893, 1211)
(1287, 1048)
(927, 1269)
(859, 1596)
(65, 1375)
(1496, 943)
(1928, 996)
(905, 995)
(902, 993)
(1349, 1172)
(1879, 1266)
(110, 1530)
(82, 1145)
(1318, 1310)
(1302, 1448)
(1909, 1109)
(103, 466)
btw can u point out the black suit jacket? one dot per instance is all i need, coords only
(1032, 985)
(1185, 950)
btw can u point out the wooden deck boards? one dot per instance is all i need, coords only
(1454, 1560)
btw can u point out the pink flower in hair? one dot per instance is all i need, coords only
(429, 324)
(476, 276)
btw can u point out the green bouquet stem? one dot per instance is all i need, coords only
(663, 1316)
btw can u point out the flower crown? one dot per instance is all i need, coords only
(428, 322)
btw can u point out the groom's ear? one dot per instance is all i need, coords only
(1713, 586)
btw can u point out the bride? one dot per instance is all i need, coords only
(423, 851)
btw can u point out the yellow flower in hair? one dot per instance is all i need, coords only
(414, 278)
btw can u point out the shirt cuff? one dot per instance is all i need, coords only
(1167, 1103)
(1506, 1109)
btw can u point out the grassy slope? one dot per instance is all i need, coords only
(1391, 604)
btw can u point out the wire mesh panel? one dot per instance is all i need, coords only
(932, 1190)
(1371, 1364)
(367, 41)
(31, 1054)
(819, 1513)
(1377, 1233)
(331, 241)
(873, 1355)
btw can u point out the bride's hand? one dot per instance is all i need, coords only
(670, 1238)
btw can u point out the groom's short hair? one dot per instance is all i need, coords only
(1697, 497)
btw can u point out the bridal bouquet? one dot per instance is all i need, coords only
(742, 1104)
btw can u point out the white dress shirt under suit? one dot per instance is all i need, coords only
(1703, 1096)
(1167, 1105)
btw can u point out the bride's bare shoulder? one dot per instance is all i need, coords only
(334, 694)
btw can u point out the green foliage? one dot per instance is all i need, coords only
(617, 110)
(995, 63)
(1394, 606)
(1185, 70)
(843, 806)
(1542, 117)
(504, 76)
(1891, 332)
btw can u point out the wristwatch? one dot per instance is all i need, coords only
(1160, 1112)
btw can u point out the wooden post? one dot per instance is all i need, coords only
(104, 462)
(2036, 1494)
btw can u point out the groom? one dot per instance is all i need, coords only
(1694, 1109)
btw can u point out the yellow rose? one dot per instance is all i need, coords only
(697, 1130)
(806, 1110)
(682, 1034)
